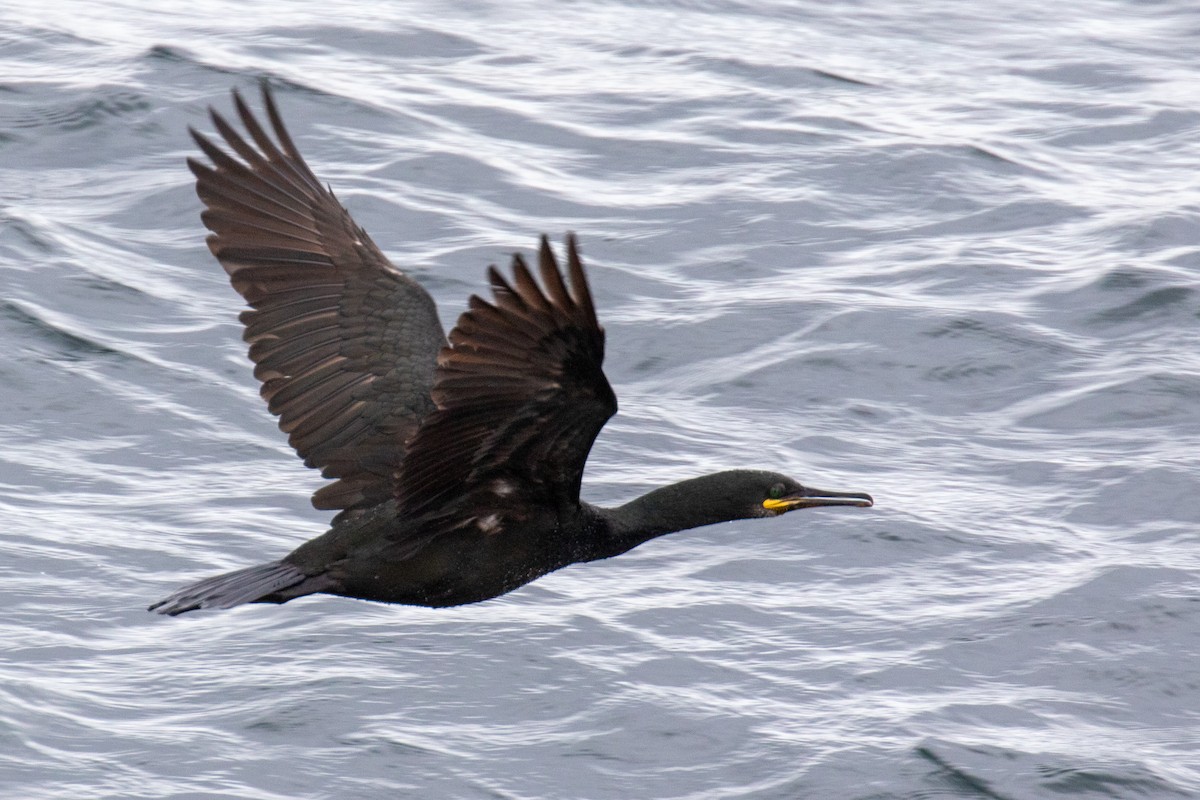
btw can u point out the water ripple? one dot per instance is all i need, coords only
(846, 242)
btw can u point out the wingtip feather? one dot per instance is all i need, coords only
(581, 291)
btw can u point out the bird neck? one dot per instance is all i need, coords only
(678, 507)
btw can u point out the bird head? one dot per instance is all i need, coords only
(772, 494)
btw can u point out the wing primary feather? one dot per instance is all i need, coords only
(285, 139)
(252, 157)
(556, 291)
(289, 165)
(260, 137)
(579, 282)
(525, 287)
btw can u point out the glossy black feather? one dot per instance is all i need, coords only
(457, 461)
(520, 393)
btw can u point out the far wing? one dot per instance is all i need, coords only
(520, 393)
(343, 342)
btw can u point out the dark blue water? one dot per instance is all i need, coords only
(945, 253)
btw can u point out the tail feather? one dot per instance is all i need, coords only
(258, 583)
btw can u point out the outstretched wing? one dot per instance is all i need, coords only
(520, 393)
(344, 343)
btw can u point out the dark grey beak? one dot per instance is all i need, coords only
(812, 498)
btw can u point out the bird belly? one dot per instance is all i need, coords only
(449, 570)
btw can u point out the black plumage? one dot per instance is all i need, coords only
(456, 465)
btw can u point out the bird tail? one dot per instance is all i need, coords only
(265, 583)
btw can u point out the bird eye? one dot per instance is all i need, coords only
(776, 491)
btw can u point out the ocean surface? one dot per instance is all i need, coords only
(946, 253)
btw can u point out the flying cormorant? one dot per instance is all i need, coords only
(456, 460)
